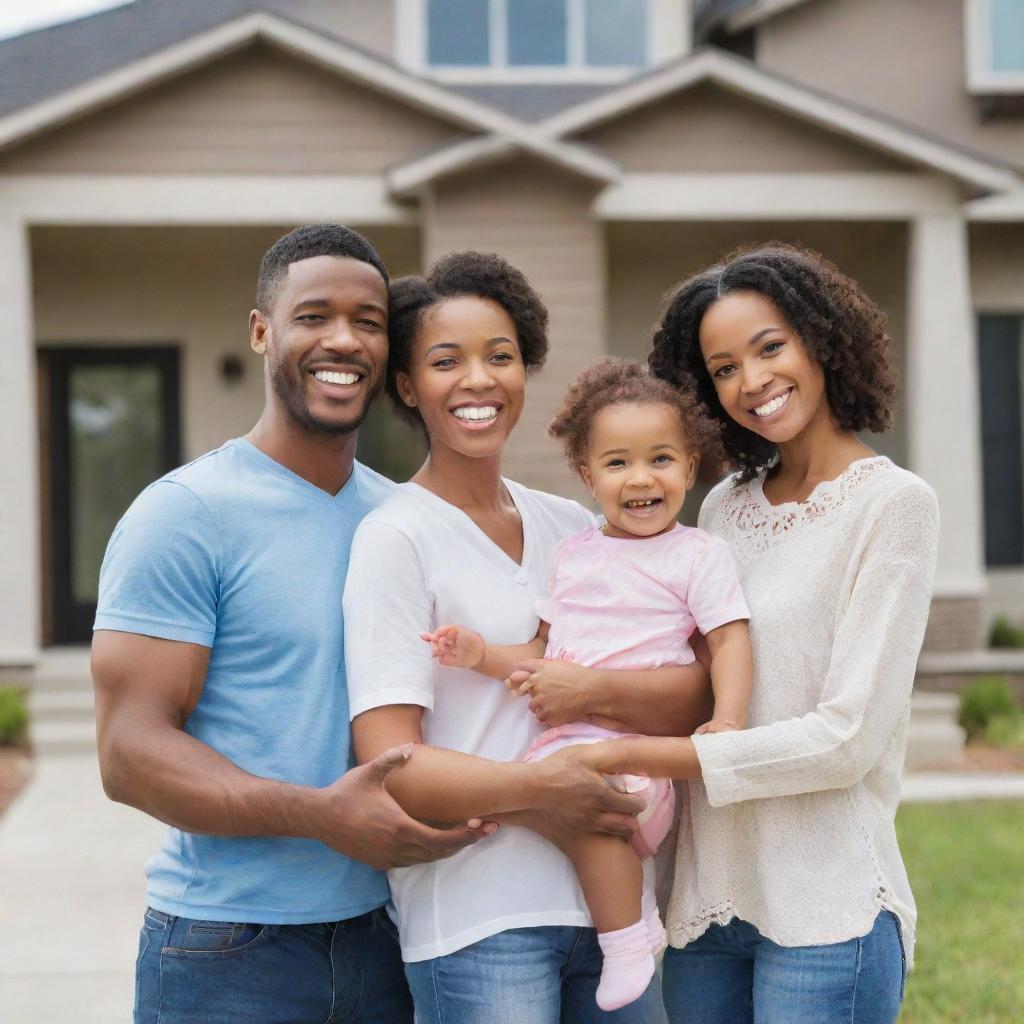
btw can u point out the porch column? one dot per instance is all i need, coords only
(19, 458)
(943, 419)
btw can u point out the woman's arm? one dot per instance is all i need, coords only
(668, 701)
(446, 785)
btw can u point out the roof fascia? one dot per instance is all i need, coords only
(758, 13)
(328, 53)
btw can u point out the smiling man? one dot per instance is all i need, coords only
(221, 698)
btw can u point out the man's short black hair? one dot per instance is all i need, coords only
(303, 244)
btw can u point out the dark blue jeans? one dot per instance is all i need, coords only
(732, 974)
(210, 972)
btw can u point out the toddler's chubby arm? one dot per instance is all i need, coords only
(732, 676)
(459, 647)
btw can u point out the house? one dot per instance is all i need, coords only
(150, 153)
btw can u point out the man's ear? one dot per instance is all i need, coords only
(405, 391)
(587, 479)
(258, 329)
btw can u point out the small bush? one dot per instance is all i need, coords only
(1006, 731)
(1005, 634)
(13, 715)
(982, 701)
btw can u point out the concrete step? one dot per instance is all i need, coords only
(934, 735)
(62, 705)
(59, 739)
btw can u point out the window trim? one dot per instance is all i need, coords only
(668, 36)
(981, 78)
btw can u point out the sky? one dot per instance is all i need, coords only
(17, 16)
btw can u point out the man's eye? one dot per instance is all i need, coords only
(370, 325)
(309, 318)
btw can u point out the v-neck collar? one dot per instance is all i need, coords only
(278, 469)
(518, 570)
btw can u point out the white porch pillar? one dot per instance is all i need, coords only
(942, 405)
(19, 458)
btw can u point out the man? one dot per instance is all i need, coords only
(221, 698)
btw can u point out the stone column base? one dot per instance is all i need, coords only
(955, 624)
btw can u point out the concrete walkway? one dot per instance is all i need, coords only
(71, 866)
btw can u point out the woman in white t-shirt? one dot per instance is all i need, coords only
(499, 932)
(791, 904)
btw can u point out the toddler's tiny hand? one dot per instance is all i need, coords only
(716, 725)
(456, 646)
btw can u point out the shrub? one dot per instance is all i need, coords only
(13, 715)
(1006, 731)
(1005, 634)
(984, 700)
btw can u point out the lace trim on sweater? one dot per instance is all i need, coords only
(756, 524)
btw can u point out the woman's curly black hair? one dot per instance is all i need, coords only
(482, 274)
(839, 325)
(612, 381)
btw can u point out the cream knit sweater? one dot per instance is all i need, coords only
(791, 828)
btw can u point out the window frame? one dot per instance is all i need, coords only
(667, 36)
(982, 78)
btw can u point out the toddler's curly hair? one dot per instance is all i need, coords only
(612, 381)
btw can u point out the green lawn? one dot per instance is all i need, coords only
(966, 867)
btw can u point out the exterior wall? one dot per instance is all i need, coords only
(708, 129)
(645, 261)
(191, 287)
(541, 222)
(369, 24)
(905, 59)
(256, 112)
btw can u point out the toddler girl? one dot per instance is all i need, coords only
(626, 595)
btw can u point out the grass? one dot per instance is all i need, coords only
(966, 867)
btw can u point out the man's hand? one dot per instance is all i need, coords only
(362, 820)
(574, 797)
(456, 646)
(558, 690)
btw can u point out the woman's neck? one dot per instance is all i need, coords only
(821, 451)
(468, 483)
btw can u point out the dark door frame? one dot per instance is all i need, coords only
(72, 621)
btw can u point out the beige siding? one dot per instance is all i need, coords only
(647, 260)
(708, 129)
(903, 59)
(540, 221)
(366, 23)
(191, 287)
(256, 112)
(997, 267)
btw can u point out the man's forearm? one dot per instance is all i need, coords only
(668, 701)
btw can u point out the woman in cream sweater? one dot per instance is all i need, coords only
(791, 904)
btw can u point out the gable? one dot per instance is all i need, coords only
(256, 111)
(707, 128)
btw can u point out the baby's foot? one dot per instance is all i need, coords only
(628, 966)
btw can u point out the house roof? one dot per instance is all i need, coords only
(100, 80)
(745, 79)
(738, 15)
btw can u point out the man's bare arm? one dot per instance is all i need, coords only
(145, 690)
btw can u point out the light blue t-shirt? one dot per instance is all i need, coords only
(239, 554)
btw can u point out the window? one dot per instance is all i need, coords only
(536, 39)
(994, 32)
(1000, 344)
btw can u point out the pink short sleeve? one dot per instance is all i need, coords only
(714, 595)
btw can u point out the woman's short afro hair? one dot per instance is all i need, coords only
(482, 274)
(615, 382)
(839, 325)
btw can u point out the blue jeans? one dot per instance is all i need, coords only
(542, 975)
(209, 972)
(733, 975)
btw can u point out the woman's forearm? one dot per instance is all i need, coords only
(668, 701)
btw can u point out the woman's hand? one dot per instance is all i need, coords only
(456, 646)
(559, 691)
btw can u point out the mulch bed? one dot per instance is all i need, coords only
(15, 764)
(978, 757)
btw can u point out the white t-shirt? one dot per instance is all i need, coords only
(418, 562)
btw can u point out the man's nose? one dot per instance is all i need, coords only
(341, 337)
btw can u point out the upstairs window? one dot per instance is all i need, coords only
(994, 32)
(531, 39)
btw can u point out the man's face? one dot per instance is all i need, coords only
(325, 340)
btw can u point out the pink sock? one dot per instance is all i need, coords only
(649, 908)
(628, 966)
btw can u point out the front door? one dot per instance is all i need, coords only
(114, 427)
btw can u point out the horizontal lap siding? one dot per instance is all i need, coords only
(256, 112)
(540, 221)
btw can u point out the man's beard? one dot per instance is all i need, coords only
(294, 397)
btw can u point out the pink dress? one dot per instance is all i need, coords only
(632, 603)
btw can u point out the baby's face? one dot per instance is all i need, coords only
(639, 467)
